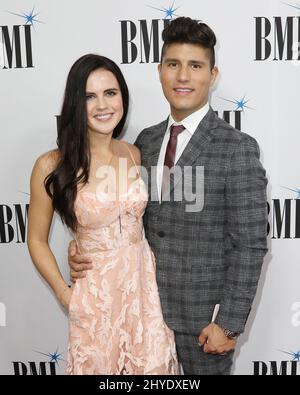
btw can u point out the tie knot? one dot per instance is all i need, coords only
(176, 129)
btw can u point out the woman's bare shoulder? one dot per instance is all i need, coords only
(135, 152)
(48, 161)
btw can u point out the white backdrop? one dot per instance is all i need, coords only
(34, 62)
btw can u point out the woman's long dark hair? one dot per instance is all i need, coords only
(72, 141)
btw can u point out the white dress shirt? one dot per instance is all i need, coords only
(190, 123)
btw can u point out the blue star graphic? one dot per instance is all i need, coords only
(29, 18)
(25, 193)
(297, 190)
(169, 12)
(295, 355)
(294, 6)
(55, 357)
(240, 104)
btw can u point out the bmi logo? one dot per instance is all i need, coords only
(285, 217)
(38, 368)
(279, 368)
(141, 40)
(13, 221)
(278, 38)
(16, 42)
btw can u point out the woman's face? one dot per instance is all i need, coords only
(104, 104)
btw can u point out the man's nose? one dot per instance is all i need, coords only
(183, 74)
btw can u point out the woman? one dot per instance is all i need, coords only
(115, 319)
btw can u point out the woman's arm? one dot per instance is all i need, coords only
(39, 221)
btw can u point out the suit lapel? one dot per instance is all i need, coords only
(197, 143)
(152, 160)
(199, 140)
(156, 142)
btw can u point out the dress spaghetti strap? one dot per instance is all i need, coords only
(131, 156)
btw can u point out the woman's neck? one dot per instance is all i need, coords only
(101, 146)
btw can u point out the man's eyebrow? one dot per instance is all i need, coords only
(171, 60)
(197, 62)
(201, 62)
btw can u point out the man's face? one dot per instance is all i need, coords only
(186, 77)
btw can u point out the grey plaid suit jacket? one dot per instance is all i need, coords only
(215, 255)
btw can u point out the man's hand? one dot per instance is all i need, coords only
(214, 341)
(78, 263)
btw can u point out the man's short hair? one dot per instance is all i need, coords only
(184, 30)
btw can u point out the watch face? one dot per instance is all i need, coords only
(234, 336)
(230, 334)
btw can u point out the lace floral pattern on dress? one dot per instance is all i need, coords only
(115, 318)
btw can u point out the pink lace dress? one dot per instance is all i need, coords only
(115, 319)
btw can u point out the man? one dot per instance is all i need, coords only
(210, 257)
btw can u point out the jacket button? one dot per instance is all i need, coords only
(161, 233)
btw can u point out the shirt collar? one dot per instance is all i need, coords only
(192, 121)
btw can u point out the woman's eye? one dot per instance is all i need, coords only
(111, 93)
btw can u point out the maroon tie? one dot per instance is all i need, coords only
(170, 155)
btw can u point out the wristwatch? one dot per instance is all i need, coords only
(230, 334)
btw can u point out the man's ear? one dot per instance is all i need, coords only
(159, 70)
(214, 73)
